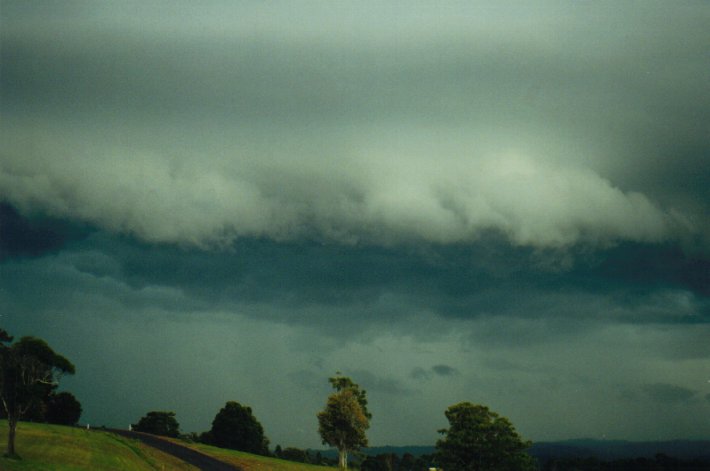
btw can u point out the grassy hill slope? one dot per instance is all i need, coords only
(46, 447)
(57, 448)
(249, 462)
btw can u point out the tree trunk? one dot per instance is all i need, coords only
(342, 458)
(12, 424)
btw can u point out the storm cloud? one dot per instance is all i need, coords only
(428, 131)
(669, 393)
(498, 202)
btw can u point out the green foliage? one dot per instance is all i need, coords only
(481, 440)
(235, 427)
(383, 462)
(29, 370)
(205, 437)
(345, 419)
(59, 448)
(295, 454)
(158, 423)
(63, 409)
(341, 383)
(53, 408)
(343, 423)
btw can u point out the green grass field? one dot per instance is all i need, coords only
(57, 448)
(249, 462)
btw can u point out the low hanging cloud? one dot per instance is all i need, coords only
(200, 127)
(419, 373)
(669, 393)
(386, 199)
(445, 370)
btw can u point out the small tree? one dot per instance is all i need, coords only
(29, 367)
(295, 454)
(343, 422)
(481, 440)
(158, 423)
(63, 409)
(235, 427)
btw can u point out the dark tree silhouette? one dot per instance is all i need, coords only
(63, 409)
(480, 440)
(29, 367)
(158, 423)
(235, 427)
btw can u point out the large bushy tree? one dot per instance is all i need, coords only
(345, 419)
(480, 440)
(29, 368)
(62, 408)
(235, 427)
(158, 423)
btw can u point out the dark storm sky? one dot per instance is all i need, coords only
(499, 202)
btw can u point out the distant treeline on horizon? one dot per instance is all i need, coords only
(580, 448)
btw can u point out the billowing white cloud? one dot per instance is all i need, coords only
(376, 194)
(381, 124)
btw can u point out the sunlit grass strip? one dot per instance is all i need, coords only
(59, 448)
(249, 462)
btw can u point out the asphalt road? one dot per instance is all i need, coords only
(195, 458)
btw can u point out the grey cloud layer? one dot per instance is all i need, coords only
(419, 328)
(669, 393)
(130, 332)
(331, 287)
(196, 130)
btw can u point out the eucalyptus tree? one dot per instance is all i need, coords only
(345, 418)
(28, 369)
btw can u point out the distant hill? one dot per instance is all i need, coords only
(414, 450)
(619, 449)
(580, 448)
(400, 450)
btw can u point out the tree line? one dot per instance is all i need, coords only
(660, 462)
(477, 438)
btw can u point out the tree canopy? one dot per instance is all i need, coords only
(158, 423)
(345, 419)
(341, 383)
(235, 427)
(63, 409)
(480, 440)
(29, 370)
